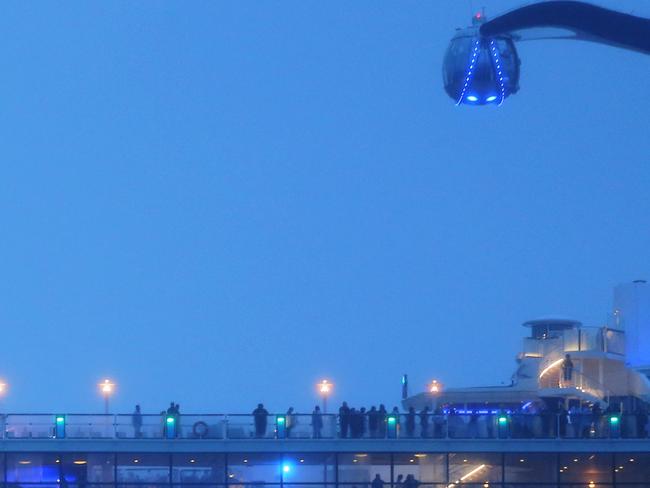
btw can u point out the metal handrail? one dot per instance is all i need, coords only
(450, 425)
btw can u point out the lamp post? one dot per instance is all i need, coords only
(106, 387)
(434, 387)
(3, 392)
(325, 389)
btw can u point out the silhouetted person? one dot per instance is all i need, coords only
(398, 418)
(316, 422)
(373, 421)
(567, 368)
(382, 414)
(400, 481)
(354, 423)
(177, 419)
(260, 416)
(344, 419)
(410, 482)
(596, 414)
(472, 426)
(136, 420)
(290, 421)
(410, 422)
(377, 482)
(424, 422)
(563, 420)
(362, 421)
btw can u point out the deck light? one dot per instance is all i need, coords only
(614, 426)
(59, 426)
(286, 468)
(281, 426)
(391, 431)
(324, 390)
(435, 387)
(502, 426)
(106, 388)
(170, 427)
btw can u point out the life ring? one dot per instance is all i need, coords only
(200, 429)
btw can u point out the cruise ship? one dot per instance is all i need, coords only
(573, 416)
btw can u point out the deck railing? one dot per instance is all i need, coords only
(479, 425)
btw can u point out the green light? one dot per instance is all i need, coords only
(60, 420)
(503, 420)
(280, 420)
(170, 420)
(613, 420)
(392, 419)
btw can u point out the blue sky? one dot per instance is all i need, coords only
(220, 203)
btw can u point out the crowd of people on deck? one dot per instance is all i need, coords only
(529, 421)
(533, 421)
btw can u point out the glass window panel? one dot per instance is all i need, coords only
(140, 485)
(633, 468)
(32, 468)
(143, 468)
(362, 468)
(474, 467)
(585, 468)
(309, 468)
(198, 468)
(531, 468)
(88, 468)
(244, 469)
(421, 467)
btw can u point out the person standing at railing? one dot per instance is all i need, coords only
(567, 368)
(136, 420)
(316, 422)
(395, 413)
(362, 421)
(563, 420)
(290, 421)
(344, 420)
(381, 417)
(355, 423)
(424, 422)
(177, 419)
(260, 418)
(410, 422)
(596, 416)
(377, 482)
(373, 421)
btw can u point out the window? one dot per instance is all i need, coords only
(258, 468)
(198, 468)
(422, 467)
(143, 468)
(88, 468)
(361, 468)
(531, 468)
(32, 468)
(474, 468)
(308, 468)
(585, 468)
(632, 468)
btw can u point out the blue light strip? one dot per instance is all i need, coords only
(470, 70)
(498, 70)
